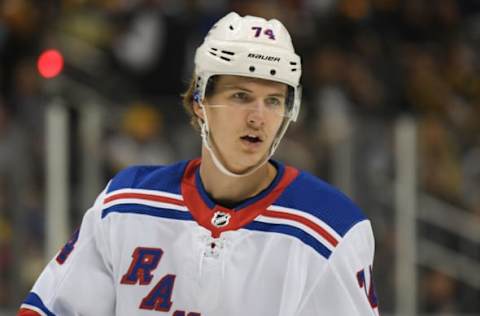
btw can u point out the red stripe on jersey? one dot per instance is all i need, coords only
(27, 312)
(143, 196)
(297, 218)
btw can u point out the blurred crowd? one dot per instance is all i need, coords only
(366, 63)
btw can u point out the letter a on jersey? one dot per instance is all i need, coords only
(160, 297)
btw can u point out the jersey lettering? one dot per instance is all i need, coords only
(371, 295)
(68, 248)
(160, 297)
(144, 261)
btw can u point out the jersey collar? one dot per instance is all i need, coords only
(217, 218)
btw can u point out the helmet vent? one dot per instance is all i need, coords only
(221, 54)
(293, 63)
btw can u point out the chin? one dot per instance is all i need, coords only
(248, 162)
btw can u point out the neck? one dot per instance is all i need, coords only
(227, 190)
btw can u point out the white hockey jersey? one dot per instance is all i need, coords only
(155, 243)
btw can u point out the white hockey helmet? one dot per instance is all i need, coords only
(252, 47)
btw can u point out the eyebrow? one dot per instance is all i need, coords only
(236, 87)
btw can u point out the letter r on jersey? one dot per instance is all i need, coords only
(144, 261)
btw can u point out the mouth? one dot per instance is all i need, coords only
(253, 139)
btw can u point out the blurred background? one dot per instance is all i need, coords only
(391, 115)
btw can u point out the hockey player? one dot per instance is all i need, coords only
(231, 233)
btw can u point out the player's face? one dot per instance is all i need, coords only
(245, 115)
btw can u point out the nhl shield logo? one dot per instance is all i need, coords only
(220, 219)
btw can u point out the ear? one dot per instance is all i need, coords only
(197, 109)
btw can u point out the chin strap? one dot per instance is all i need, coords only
(205, 134)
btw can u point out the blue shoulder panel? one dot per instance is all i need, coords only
(161, 178)
(312, 195)
(34, 300)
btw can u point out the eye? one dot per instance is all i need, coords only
(240, 96)
(275, 101)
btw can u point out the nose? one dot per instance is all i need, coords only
(256, 114)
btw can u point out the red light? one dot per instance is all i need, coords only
(50, 63)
